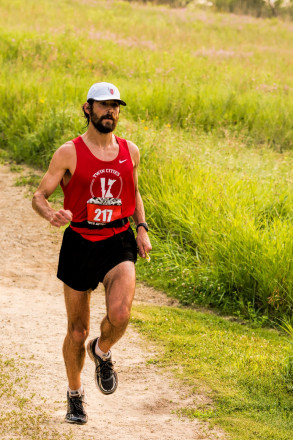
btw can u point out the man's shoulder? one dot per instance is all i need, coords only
(133, 148)
(66, 150)
(67, 147)
(65, 156)
(132, 145)
(134, 152)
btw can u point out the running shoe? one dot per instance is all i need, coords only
(105, 376)
(75, 409)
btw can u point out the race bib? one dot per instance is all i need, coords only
(101, 211)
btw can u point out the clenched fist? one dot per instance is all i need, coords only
(61, 218)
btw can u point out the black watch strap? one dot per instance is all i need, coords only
(144, 225)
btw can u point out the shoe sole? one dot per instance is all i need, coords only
(90, 353)
(75, 423)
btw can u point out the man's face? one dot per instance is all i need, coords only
(104, 115)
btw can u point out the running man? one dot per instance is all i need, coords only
(98, 175)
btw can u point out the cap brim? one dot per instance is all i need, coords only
(106, 98)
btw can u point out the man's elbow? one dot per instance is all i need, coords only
(36, 198)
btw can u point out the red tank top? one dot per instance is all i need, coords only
(96, 178)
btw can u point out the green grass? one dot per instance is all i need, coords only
(210, 106)
(222, 224)
(224, 76)
(240, 369)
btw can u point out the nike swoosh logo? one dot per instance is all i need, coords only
(121, 161)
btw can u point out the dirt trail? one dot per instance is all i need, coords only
(33, 320)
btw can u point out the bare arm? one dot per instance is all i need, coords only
(63, 161)
(142, 239)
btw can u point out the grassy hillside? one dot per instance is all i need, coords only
(210, 106)
(191, 69)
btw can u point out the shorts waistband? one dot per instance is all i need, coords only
(115, 224)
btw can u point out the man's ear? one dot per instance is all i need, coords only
(86, 107)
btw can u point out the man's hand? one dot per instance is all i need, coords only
(61, 218)
(143, 242)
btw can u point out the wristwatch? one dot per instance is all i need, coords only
(144, 225)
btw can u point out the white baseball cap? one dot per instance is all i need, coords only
(103, 92)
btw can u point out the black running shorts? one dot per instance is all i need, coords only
(83, 263)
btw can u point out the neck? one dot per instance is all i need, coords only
(101, 140)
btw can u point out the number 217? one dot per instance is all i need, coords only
(106, 213)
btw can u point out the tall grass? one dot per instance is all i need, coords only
(209, 104)
(232, 230)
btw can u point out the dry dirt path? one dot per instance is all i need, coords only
(32, 318)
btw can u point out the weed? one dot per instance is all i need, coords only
(15, 168)
(201, 414)
(31, 180)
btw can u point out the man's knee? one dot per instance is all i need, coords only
(119, 315)
(78, 334)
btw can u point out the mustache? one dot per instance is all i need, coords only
(107, 117)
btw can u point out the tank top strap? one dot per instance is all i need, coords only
(78, 142)
(123, 150)
(82, 153)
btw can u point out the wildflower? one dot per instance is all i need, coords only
(41, 101)
(168, 125)
(90, 60)
(146, 128)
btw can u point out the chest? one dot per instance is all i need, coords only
(103, 179)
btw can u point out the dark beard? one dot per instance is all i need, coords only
(97, 123)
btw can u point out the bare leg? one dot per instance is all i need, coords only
(119, 286)
(78, 314)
